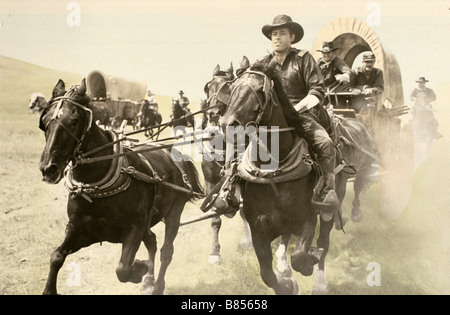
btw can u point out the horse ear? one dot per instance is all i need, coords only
(230, 69)
(82, 89)
(229, 72)
(59, 89)
(245, 63)
(216, 71)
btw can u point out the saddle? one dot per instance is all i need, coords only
(296, 165)
(225, 196)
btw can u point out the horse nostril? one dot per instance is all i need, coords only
(50, 171)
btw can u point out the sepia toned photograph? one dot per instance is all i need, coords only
(224, 148)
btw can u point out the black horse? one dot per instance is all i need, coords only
(115, 199)
(273, 209)
(149, 117)
(181, 117)
(213, 160)
(284, 207)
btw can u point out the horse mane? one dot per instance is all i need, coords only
(79, 96)
(292, 117)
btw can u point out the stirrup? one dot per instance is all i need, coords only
(225, 203)
(327, 207)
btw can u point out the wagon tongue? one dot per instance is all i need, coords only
(207, 215)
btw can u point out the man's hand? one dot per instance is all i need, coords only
(342, 77)
(368, 91)
(307, 103)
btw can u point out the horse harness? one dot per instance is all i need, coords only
(118, 178)
(88, 122)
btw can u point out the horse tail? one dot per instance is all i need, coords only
(194, 181)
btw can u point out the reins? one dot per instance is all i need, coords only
(88, 123)
(82, 156)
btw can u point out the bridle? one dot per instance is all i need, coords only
(214, 98)
(58, 101)
(262, 105)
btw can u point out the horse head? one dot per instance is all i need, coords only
(37, 102)
(65, 122)
(247, 97)
(219, 83)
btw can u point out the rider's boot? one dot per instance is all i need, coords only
(225, 197)
(325, 199)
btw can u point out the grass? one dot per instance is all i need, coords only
(412, 251)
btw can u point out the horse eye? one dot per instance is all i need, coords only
(74, 122)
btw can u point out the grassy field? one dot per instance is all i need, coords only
(413, 250)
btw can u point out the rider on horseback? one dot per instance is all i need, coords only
(303, 84)
(422, 97)
(183, 100)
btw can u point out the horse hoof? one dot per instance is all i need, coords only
(148, 285)
(303, 263)
(356, 216)
(147, 290)
(215, 259)
(289, 286)
(295, 289)
(320, 283)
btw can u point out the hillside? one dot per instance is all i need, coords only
(19, 79)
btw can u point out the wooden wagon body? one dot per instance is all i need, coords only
(122, 98)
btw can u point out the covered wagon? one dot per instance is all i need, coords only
(119, 97)
(353, 37)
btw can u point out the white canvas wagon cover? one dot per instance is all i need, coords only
(101, 85)
(352, 37)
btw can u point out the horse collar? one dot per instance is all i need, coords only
(112, 183)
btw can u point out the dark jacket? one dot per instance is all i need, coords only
(300, 75)
(375, 81)
(334, 67)
(423, 97)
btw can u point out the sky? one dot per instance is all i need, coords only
(174, 45)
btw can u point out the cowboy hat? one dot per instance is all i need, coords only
(327, 47)
(368, 56)
(422, 80)
(281, 21)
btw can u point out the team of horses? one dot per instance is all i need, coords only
(147, 117)
(118, 193)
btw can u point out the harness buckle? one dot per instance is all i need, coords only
(308, 160)
(128, 170)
